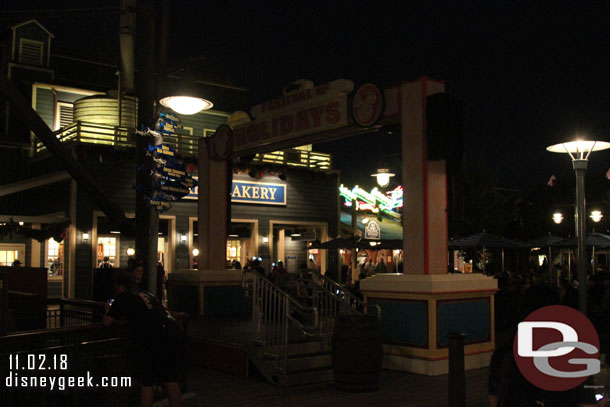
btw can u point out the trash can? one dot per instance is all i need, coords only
(357, 353)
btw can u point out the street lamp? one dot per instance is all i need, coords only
(596, 216)
(383, 177)
(557, 217)
(184, 99)
(579, 152)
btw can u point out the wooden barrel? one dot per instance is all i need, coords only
(357, 352)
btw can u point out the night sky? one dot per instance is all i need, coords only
(529, 73)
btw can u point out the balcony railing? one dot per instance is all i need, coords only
(296, 158)
(184, 144)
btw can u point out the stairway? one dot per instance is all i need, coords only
(308, 361)
(291, 335)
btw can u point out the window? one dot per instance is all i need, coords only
(107, 247)
(234, 250)
(55, 256)
(11, 252)
(30, 51)
(64, 112)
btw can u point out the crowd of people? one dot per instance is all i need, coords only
(518, 295)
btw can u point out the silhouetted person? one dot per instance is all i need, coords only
(154, 354)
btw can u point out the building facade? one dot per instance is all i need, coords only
(280, 200)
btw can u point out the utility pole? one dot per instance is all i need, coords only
(147, 217)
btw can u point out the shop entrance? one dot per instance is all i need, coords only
(289, 244)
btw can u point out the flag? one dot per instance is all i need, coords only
(553, 179)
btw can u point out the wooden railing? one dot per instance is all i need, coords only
(115, 136)
(184, 144)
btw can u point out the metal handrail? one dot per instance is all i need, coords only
(275, 314)
(339, 293)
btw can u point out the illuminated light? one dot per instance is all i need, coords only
(183, 238)
(373, 244)
(295, 235)
(383, 176)
(596, 216)
(341, 251)
(581, 148)
(365, 206)
(131, 251)
(186, 105)
(233, 235)
(195, 252)
(85, 236)
(115, 232)
(365, 220)
(21, 223)
(557, 217)
(265, 239)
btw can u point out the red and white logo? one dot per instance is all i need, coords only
(367, 105)
(557, 348)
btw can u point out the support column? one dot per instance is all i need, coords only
(212, 210)
(424, 219)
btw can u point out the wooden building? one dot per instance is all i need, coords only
(36, 190)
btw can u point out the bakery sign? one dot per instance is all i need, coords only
(303, 112)
(253, 192)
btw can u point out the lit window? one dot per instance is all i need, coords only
(106, 247)
(234, 249)
(7, 257)
(55, 255)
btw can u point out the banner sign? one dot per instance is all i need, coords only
(322, 108)
(258, 193)
(262, 193)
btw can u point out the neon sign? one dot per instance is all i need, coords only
(373, 201)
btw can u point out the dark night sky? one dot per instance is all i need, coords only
(530, 73)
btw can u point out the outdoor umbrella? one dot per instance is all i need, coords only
(340, 243)
(484, 240)
(592, 239)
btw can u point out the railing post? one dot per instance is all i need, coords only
(457, 378)
(61, 313)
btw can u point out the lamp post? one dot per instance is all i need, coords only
(579, 152)
(383, 176)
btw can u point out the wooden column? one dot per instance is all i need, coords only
(424, 213)
(212, 210)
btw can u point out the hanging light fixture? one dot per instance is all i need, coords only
(383, 176)
(596, 216)
(557, 217)
(184, 98)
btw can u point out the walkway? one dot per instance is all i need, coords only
(397, 389)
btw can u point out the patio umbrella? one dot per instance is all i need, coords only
(340, 243)
(484, 240)
(592, 239)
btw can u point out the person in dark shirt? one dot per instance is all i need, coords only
(155, 357)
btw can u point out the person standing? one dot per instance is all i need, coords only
(155, 343)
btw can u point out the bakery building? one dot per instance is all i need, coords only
(279, 200)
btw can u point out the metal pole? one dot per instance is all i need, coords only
(580, 168)
(147, 217)
(353, 250)
(457, 376)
